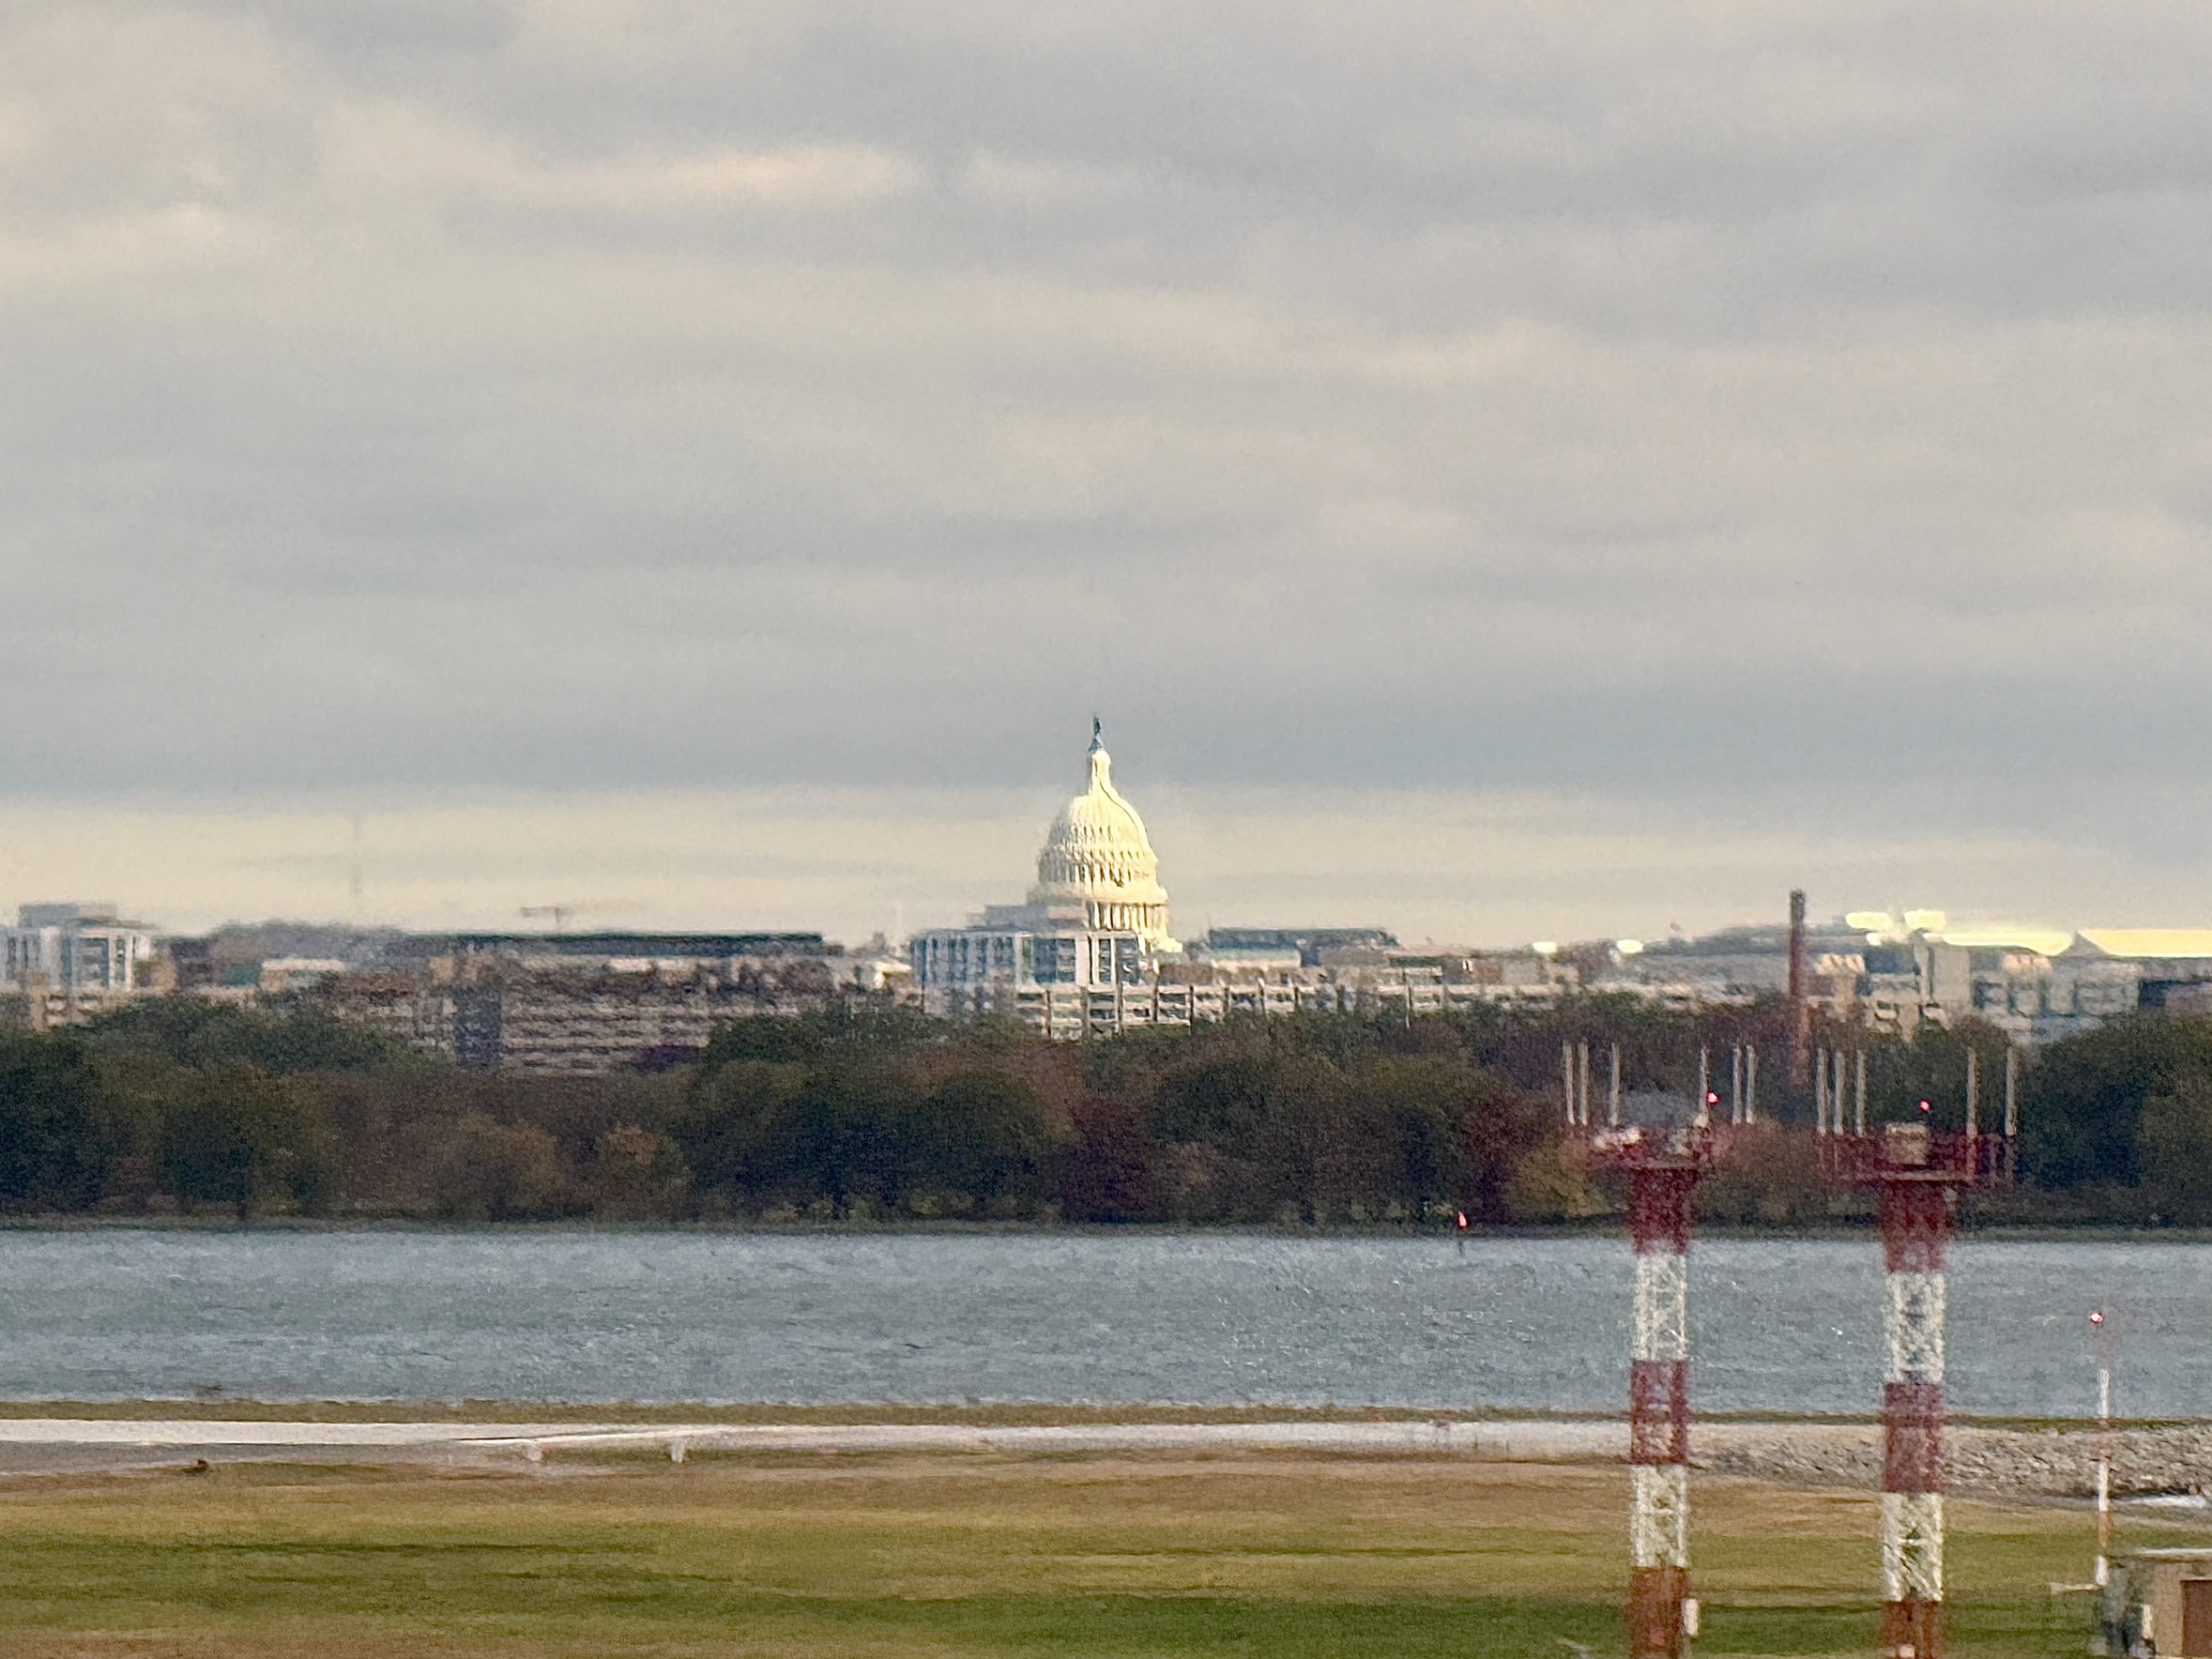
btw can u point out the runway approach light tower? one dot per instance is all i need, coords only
(1917, 1175)
(1663, 1166)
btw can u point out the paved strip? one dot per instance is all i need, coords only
(1793, 1453)
(186, 1431)
(1535, 1442)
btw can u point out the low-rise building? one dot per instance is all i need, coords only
(1893, 974)
(281, 976)
(1193, 994)
(2156, 1601)
(2035, 985)
(67, 962)
(579, 1004)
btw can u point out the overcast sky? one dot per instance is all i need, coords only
(1497, 469)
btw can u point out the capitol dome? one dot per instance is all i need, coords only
(1097, 854)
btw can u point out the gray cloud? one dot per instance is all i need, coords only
(654, 395)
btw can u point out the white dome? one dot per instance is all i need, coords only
(1097, 854)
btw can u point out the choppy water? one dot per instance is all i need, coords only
(1197, 1318)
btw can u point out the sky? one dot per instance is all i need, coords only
(1497, 471)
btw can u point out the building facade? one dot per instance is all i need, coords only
(1893, 975)
(67, 962)
(582, 1004)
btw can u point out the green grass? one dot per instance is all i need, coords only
(974, 1555)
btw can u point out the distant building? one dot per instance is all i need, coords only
(1895, 974)
(555, 949)
(283, 975)
(1296, 947)
(1096, 921)
(67, 962)
(2039, 994)
(1733, 966)
(580, 1003)
(1089, 953)
(876, 969)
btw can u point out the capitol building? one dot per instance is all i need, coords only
(1090, 951)
(1095, 922)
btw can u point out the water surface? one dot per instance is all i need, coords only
(1204, 1317)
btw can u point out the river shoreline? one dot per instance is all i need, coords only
(1609, 1226)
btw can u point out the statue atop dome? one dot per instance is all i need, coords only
(1097, 854)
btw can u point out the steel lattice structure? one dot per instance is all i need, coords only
(1916, 1227)
(1917, 1176)
(1663, 1170)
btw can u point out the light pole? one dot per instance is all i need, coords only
(2100, 1338)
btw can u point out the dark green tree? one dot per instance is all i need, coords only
(1221, 1101)
(54, 1148)
(979, 1134)
(232, 1134)
(2173, 1147)
(192, 1031)
(2084, 1097)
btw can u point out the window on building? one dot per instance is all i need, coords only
(1050, 961)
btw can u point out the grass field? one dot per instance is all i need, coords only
(1113, 1556)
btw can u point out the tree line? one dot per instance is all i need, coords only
(178, 1106)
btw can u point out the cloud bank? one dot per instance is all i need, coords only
(1767, 403)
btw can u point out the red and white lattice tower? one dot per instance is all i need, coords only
(1661, 1615)
(1918, 1193)
(1918, 1175)
(1663, 1167)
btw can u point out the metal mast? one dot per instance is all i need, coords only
(1661, 1615)
(1916, 1205)
(1917, 1175)
(1663, 1167)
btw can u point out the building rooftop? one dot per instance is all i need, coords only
(2151, 942)
(651, 944)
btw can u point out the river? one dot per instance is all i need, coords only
(592, 1316)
